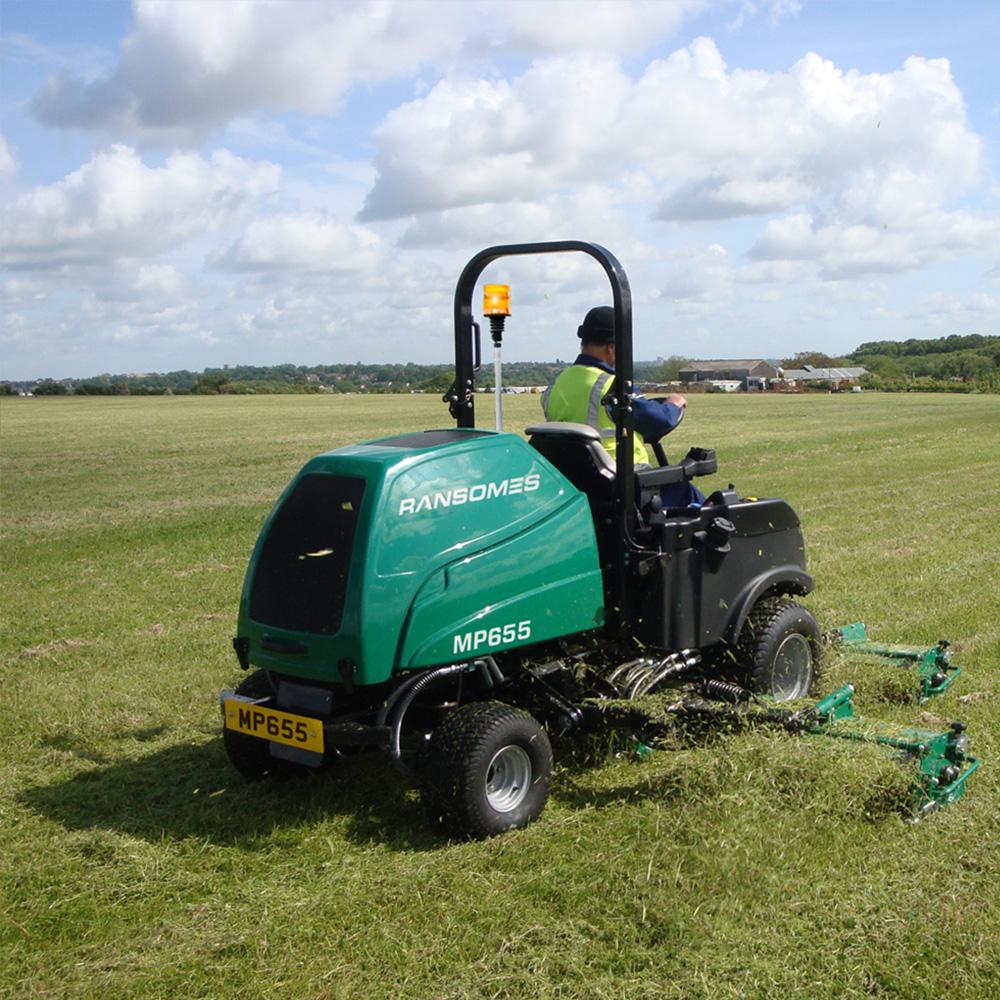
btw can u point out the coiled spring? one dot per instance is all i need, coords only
(712, 687)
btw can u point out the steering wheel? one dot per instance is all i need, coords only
(661, 455)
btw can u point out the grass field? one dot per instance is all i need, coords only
(136, 863)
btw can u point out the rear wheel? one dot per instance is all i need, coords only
(249, 755)
(487, 769)
(780, 647)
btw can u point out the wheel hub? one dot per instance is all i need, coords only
(791, 674)
(508, 778)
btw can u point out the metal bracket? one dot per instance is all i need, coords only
(934, 668)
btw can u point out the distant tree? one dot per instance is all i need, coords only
(817, 359)
(50, 388)
(210, 383)
(670, 370)
(438, 383)
(979, 366)
(7, 390)
(918, 348)
(886, 367)
(990, 383)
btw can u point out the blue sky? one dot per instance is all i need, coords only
(190, 184)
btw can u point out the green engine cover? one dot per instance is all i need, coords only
(418, 550)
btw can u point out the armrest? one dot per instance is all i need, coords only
(697, 462)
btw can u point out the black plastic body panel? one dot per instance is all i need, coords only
(698, 592)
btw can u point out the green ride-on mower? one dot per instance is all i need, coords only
(452, 596)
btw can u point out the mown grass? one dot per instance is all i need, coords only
(136, 863)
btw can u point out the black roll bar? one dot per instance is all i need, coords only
(462, 396)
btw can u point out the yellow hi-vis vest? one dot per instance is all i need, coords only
(576, 396)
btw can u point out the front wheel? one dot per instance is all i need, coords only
(487, 769)
(780, 647)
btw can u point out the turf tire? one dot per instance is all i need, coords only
(487, 769)
(249, 755)
(780, 648)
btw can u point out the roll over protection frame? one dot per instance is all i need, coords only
(461, 398)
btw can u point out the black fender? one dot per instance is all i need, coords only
(778, 580)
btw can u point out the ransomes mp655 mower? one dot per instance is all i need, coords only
(452, 596)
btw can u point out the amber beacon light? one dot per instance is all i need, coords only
(496, 300)
(496, 305)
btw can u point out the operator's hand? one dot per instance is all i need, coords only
(677, 399)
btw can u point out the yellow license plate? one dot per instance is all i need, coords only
(271, 724)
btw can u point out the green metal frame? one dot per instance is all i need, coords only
(944, 764)
(934, 668)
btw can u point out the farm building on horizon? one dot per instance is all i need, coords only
(837, 377)
(752, 374)
(755, 374)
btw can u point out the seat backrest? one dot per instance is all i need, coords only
(576, 451)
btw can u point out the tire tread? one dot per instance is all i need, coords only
(450, 786)
(249, 755)
(766, 618)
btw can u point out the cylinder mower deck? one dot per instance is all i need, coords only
(933, 667)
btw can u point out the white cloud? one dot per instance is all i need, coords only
(20, 49)
(568, 25)
(587, 211)
(21, 290)
(481, 225)
(162, 278)
(472, 143)
(301, 242)
(8, 165)
(777, 10)
(702, 275)
(534, 122)
(867, 158)
(187, 67)
(115, 206)
(849, 250)
(717, 198)
(752, 140)
(977, 310)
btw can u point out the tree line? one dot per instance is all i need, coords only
(957, 363)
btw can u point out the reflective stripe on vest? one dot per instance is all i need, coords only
(576, 396)
(594, 408)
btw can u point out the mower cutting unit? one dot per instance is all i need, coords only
(943, 764)
(453, 596)
(934, 668)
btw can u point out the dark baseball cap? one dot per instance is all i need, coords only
(598, 326)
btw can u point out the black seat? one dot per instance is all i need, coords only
(576, 451)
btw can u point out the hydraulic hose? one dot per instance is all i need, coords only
(393, 697)
(494, 670)
(405, 700)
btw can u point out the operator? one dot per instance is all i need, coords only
(577, 392)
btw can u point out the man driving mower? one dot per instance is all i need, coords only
(578, 396)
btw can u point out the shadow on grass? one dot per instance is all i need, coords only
(191, 791)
